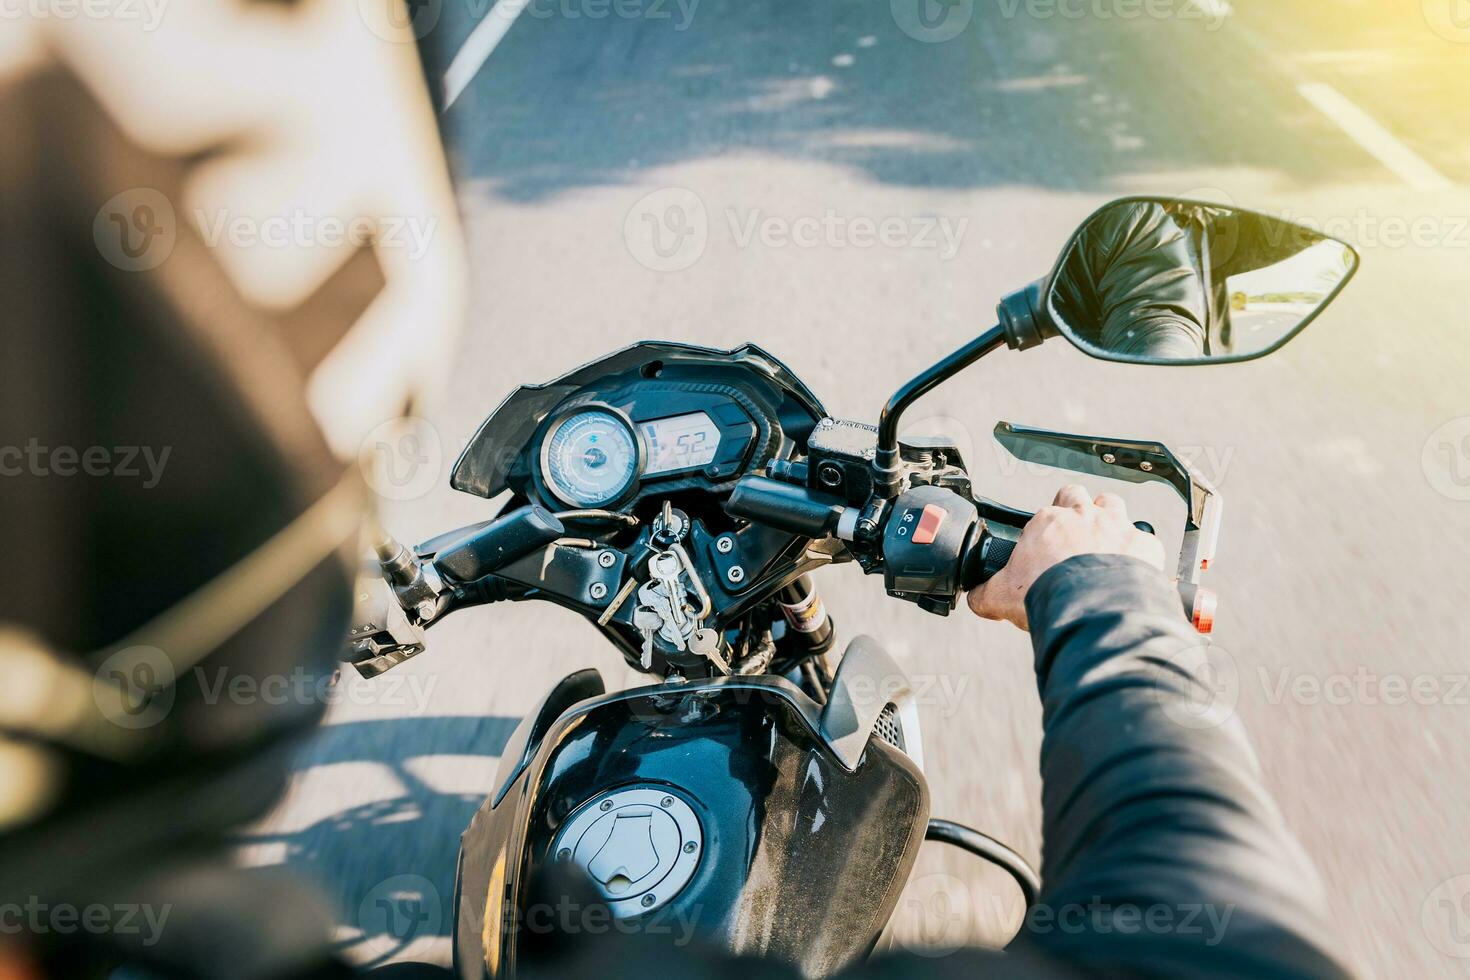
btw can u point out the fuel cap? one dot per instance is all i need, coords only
(639, 844)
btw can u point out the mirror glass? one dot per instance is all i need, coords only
(1156, 280)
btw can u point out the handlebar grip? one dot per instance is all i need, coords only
(994, 553)
(785, 507)
(985, 559)
(508, 539)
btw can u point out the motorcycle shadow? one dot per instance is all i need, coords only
(387, 865)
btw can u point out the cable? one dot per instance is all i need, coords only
(612, 516)
(992, 850)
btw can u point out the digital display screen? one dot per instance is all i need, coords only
(681, 442)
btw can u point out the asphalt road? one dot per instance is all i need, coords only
(770, 135)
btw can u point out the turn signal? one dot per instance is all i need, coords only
(1203, 615)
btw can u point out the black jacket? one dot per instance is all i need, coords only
(1155, 823)
(1131, 285)
(1164, 855)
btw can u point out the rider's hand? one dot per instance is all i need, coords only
(1074, 525)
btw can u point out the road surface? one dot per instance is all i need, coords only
(764, 142)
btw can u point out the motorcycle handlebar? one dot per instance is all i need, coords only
(483, 550)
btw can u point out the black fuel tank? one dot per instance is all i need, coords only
(717, 812)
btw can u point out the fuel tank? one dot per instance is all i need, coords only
(735, 812)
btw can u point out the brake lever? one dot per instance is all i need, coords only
(1138, 461)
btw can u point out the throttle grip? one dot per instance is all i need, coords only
(995, 552)
(986, 557)
(990, 553)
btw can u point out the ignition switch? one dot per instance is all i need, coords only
(924, 544)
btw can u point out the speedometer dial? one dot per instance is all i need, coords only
(590, 459)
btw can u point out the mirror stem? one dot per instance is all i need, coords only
(887, 467)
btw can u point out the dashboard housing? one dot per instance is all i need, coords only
(758, 406)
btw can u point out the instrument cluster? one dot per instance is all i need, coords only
(604, 455)
(651, 420)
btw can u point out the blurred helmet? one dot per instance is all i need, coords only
(229, 250)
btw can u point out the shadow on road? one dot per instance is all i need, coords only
(569, 101)
(387, 867)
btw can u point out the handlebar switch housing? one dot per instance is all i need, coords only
(927, 537)
(382, 635)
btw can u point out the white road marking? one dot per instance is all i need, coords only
(1366, 131)
(479, 46)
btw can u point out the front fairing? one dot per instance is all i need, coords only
(485, 465)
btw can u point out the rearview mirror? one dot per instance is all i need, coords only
(1165, 281)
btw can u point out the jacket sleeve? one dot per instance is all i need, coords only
(1130, 285)
(1152, 297)
(1164, 855)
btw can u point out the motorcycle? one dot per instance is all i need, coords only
(762, 792)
